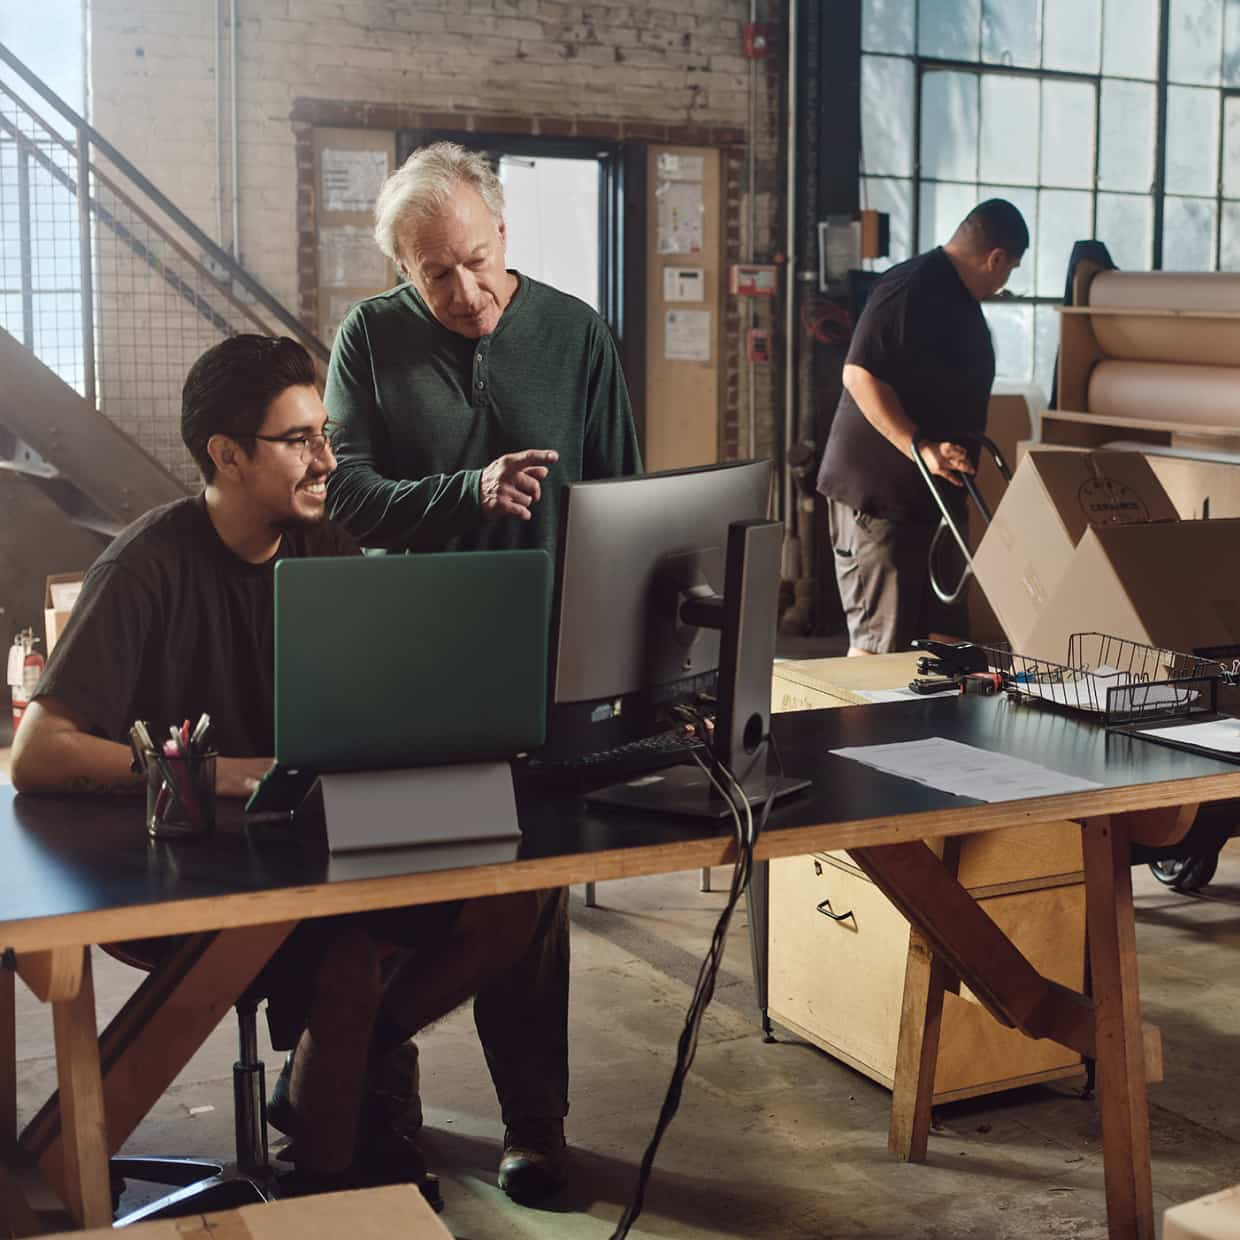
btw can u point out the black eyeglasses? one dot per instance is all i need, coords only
(308, 445)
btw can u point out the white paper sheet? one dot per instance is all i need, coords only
(901, 695)
(964, 770)
(1089, 692)
(350, 179)
(1221, 735)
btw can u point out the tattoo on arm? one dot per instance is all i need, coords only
(84, 785)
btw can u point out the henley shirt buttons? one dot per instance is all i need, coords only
(481, 384)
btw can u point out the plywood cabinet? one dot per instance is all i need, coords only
(838, 947)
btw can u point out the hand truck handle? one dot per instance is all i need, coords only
(947, 523)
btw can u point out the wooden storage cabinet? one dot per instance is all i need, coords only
(840, 984)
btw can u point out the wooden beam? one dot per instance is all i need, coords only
(917, 1051)
(926, 978)
(154, 1036)
(18, 1218)
(466, 881)
(1120, 1055)
(51, 975)
(955, 926)
(86, 1186)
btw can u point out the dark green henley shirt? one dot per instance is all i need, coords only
(419, 411)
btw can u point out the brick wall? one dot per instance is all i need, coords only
(648, 69)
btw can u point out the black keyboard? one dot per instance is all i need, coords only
(647, 753)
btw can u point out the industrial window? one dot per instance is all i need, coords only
(1115, 119)
(40, 277)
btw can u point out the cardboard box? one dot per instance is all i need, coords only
(1216, 1217)
(371, 1214)
(60, 594)
(1054, 497)
(1169, 584)
(1011, 416)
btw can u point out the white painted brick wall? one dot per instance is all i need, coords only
(153, 89)
(153, 95)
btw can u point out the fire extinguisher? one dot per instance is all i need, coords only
(25, 668)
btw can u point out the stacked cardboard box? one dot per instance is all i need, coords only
(1090, 542)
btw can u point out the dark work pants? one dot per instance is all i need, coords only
(522, 1020)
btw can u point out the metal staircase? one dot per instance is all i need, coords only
(108, 292)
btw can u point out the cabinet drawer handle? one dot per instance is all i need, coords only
(825, 909)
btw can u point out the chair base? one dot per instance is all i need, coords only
(199, 1186)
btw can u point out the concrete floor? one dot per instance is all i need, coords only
(773, 1141)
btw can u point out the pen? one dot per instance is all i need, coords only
(200, 730)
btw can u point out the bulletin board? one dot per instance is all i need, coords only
(349, 167)
(684, 307)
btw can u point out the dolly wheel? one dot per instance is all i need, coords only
(1186, 873)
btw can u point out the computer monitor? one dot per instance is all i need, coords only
(661, 580)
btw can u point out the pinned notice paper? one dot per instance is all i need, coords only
(686, 335)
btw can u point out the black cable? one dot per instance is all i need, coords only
(704, 988)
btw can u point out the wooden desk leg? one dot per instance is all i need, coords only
(81, 1096)
(917, 1052)
(1119, 1036)
(926, 977)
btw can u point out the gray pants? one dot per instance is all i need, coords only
(882, 570)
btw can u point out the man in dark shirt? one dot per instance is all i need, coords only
(464, 399)
(175, 619)
(917, 379)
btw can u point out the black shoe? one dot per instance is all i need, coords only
(535, 1161)
(391, 1093)
(280, 1114)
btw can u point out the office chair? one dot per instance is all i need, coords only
(197, 1185)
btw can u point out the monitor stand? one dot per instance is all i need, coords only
(453, 803)
(747, 615)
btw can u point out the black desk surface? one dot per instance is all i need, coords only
(63, 857)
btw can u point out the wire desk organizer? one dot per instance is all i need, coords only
(1118, 681)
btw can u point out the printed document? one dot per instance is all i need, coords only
(1221, 735)
(966, 771)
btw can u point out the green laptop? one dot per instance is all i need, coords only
(396, 661)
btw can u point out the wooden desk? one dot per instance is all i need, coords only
(77, 873)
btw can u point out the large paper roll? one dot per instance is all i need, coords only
(1150, 338)
(1158, 391)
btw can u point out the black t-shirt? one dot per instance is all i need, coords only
(171, 623)
(923, 333)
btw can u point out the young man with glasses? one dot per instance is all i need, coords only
(176, 618)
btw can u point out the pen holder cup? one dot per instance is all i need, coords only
(180, 796)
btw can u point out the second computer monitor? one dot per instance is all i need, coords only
(631, 551)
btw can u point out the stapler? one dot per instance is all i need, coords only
(953, 665)
(950, 659)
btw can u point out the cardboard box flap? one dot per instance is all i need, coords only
(1101, 488)
(1180, 579)
(1054, 497)
(368, 1214)
(1161, 584)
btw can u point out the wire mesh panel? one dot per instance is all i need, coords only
(40, 271)
(159, 294)
(1121, 681)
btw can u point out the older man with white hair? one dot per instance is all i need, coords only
(469, 394)
(462, 401)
